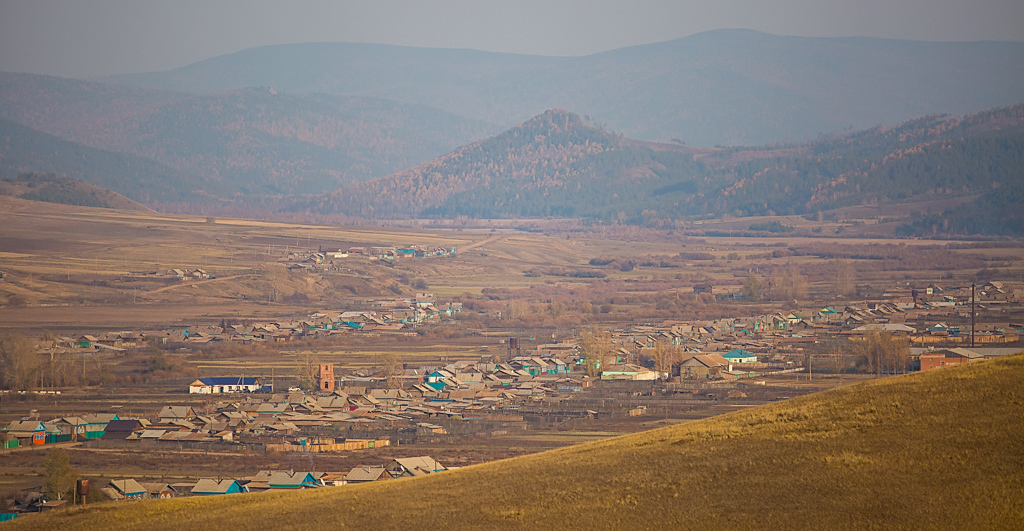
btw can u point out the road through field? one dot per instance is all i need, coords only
(484, 241)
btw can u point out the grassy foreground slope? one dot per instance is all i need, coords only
(936, 450)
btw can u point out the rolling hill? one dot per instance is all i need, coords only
(49, 188)
(942, 449)
(557, 165)
(730, 87)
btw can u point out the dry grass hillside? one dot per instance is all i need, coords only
(936, 450)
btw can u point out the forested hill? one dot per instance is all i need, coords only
(551, 165)
(244, 143)
(556, 165)
(928, 158)
(25, 150)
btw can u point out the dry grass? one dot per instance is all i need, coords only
(936, 450)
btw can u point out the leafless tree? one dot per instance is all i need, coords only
(844, 277)
(597, 348)
(18, 362)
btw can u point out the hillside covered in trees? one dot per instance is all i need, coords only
(251, 142)
(557, 165)
(25, 150)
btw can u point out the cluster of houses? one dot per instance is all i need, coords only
(777, 339)
(176, 273)
(321, 260)
(390, 316)
(273, 480)
(128, 489)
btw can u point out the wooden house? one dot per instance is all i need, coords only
(128, 489)
(172, 413)
(160, 491)
(934, 359)
(413, 466)
(363, 474)
(703, 366)
(212, 487)
(28, 432)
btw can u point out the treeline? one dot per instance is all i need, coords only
(997, 213)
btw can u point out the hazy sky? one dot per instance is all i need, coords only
(83, 38)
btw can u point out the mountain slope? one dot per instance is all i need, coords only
(942, 449)
(733, 87)
(556, 165)
(49, 188)
(551, 165)
(25, 150)
(249, 141)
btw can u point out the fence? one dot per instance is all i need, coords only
(350, 444)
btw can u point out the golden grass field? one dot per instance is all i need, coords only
(65, 265)
(942, 449)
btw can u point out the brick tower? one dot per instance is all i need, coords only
(325, 377)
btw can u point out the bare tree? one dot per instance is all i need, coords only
(836, 357)
(844, 277)
(18, 362)
(787, 283)
(392, 369)
(274, 278)
(883, 351)
(597, 348)
(666, 355)
(307, 370)
(752, 288)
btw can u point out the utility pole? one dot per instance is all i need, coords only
(972, 314)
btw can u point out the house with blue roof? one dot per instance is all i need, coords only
(128, 489)
(212, 487)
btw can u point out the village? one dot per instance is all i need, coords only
(625, 373)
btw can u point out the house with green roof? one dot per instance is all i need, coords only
(739, 356)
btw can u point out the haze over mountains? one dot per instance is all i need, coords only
(730, 87)
(378, 131)
(246, 142)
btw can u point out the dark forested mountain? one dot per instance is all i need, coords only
(557, 165)
(244, 143)
(732, 87)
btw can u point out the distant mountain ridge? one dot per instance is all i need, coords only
(732, 87)
(557, 165)
(245, 143)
